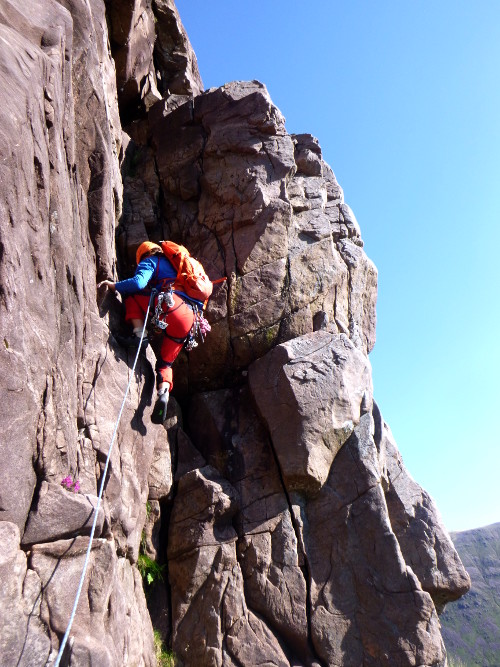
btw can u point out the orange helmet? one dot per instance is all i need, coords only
(144, 248)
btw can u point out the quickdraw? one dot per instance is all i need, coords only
(200, 326)
(158, 320)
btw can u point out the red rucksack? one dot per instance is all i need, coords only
(191, 277)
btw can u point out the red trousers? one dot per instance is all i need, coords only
(179, 318)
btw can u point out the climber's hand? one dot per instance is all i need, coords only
(107, 283)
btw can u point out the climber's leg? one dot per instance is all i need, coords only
(136, 307)
(180, 319)
(159, 413)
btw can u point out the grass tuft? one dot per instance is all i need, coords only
(150, 570)
(456, 662)
(164, 657)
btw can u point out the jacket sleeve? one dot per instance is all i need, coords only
(143, 274)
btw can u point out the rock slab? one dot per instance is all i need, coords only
(61, 513)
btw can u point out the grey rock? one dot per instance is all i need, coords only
(277, 225)
(23, 637)
(132, 32)
(207, 583)
(174, 55)
(62, 385)
(424, 540)
(160, 472)
(152, 53)
(234, 441)
(307, 155)
(150, 542)
(111, 625)
(307, 560)
(363, 292)
(60, 513)
(368, 606)
(311, 393)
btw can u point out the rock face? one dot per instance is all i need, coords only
(151, 52)
(273, 501)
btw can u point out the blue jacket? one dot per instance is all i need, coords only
(155, 271)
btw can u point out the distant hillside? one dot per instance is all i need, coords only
(471, 626)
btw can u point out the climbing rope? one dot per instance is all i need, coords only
(103, 479)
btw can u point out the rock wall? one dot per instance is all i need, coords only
(274, 498)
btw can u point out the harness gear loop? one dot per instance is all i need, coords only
(200, 328)
(158, 319)
(101, 489)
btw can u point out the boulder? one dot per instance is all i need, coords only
(231, 436)
(311, 393)
(152, 54)
(363, 294)
(233, 193)
(61, 513)
(326, 570)
(160, 471)
(132, 36)
(174, 55)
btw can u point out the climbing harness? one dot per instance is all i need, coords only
(103, 479)
(200, 326)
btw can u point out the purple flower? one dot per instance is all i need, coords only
(67, 482)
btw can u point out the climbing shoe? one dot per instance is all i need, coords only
(160, 409)
(132, 342)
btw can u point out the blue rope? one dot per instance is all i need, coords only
(96, 510)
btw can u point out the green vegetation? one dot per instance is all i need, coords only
(270, 335)
(152, 574)
(150, 570)
(454, 662)
(471, 625)
(164, 657)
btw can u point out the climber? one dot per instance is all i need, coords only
(178, 313)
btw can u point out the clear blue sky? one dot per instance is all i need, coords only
(404, 97)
